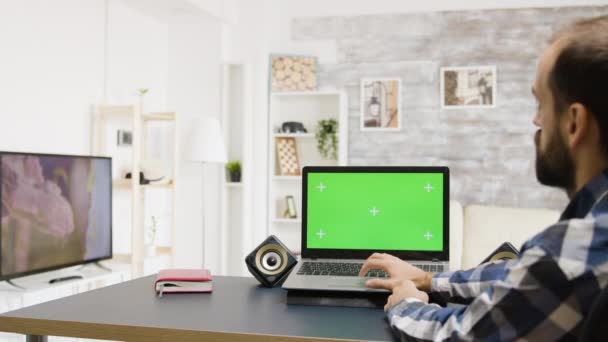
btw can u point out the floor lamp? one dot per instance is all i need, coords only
(205, 146)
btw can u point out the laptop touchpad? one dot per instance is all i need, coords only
(347, 282)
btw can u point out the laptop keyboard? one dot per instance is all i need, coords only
(350, 269)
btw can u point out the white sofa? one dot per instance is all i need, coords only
(476, 230)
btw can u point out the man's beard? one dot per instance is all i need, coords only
(554, 166)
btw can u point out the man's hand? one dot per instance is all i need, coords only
(396, 269)
(401, 289)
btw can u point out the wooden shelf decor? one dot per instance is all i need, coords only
(293, 73)
(287, 156)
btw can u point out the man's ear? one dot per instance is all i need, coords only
(578, 121)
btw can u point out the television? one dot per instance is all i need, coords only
(56, 212)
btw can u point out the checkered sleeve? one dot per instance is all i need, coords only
(463, 286)
(536, 298)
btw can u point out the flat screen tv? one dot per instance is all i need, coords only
(56, 212)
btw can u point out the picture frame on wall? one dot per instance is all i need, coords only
(293, 73)
(468, 87)
(380, 104)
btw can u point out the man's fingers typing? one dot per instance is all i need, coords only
(387, 284)
(372, 264)
(378, 256)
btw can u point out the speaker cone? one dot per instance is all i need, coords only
(503, 256)
(270, 259)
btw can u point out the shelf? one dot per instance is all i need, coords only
(159, 116)
(294, 135)
(126, 183)
(159, 253)
(307, 93)
(287, 178)
(164, 250)
(126, 110)
(286, 220)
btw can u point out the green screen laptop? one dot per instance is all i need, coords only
(350, 212)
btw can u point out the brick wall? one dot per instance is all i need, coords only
(490, 152)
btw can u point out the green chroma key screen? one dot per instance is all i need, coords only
(377, 211)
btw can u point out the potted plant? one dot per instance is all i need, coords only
(327, 138)
(234, 171)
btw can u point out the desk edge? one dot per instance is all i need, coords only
(47, 327)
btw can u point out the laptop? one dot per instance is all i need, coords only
(350, 212)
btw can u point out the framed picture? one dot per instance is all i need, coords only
(291, 207)
(468, 87)
(124, 138)
(380, 104)
(293, 73)
(287, 156)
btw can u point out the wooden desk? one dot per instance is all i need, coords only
(237, 310)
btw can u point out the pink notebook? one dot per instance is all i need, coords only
(182, 280)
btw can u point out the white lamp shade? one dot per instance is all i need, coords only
(205, 143)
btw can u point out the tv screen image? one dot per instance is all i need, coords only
(56, 211)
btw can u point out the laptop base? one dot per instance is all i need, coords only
(334, 298)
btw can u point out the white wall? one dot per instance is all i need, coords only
(51, 72)
(194, 91)
(137, 50)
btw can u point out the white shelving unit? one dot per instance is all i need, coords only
(236, 231)
(108, 120)
(295, 135)
(287, 178)
(307, 108)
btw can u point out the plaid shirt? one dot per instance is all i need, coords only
(543, 295)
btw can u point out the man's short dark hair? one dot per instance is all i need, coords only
(580, 72)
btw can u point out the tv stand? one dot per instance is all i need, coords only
(96, 263)
(66, 278)
(102, 266)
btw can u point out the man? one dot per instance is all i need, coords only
(545, 294)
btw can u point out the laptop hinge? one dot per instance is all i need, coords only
(436, 260)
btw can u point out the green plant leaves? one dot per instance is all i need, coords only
(327, 139)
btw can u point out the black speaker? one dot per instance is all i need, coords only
(270, 262)
(505, 251)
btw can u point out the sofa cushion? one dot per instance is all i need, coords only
(455, 235)
(486, 227)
